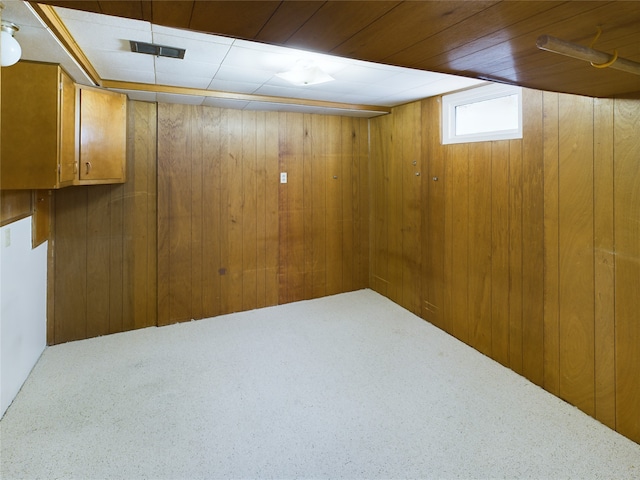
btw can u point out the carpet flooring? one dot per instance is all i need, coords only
(349, 386)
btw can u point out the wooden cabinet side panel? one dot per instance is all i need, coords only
(29, 148)
(67, 145)
(14, 205)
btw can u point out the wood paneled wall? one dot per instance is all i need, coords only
(231, 237)
(224, 235)
(104, 241)
(529, 249)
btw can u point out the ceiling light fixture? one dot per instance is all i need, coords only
(305, 74)
(10, 50)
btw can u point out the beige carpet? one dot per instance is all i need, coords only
(349, 386)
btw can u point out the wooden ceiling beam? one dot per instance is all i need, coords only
(246, 97)
(59, 29)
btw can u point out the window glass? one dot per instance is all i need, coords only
(491, 112)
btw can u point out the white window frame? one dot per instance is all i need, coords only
(474, 95)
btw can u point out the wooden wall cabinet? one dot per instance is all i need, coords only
(56, 134)
(102, 135)
(38, 127)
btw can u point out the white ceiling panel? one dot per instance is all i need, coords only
(225, 103)
(356, 99)
(196, 50)
(187, 34)
(139, 95)
(180, 80)
(106, 20)
(363, 74)
(184, 67)
(97, 36)
(18, 13)
(271, 61)
(138, 76)
(240, 74)
(233, 86)
(182, 99)
(38, 42)
(225, 64)
(106, 62)
(290, 92)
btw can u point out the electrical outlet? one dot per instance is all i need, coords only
(283, 177)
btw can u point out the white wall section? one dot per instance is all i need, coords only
(23, 312)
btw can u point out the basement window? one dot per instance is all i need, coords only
(490, 112)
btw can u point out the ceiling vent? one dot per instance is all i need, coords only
(157, 50)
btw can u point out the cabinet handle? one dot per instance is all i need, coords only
(88, 164)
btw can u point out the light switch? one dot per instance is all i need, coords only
(283, 177)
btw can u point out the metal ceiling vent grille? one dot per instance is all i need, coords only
(158, 50)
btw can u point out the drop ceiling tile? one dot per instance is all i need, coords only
(18, 13)
(335, 63)
(177, 79)
(231, 86)
(105, 37)
(221, 63)
(335, 88)
(196, 50)
(138, 95)
(225, 103)
(185, 68)
(377, 89)
(291, 92)
(104, 61)
(159, 30)
(262, 47)
(359, 99)
(35, 42)
(123, 75)
(450, 83)
(363, 74)
(68, 15)
(182, 99)
(272, 61)
(248, 74)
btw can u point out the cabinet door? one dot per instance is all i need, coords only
(68, 168)
(103, 136)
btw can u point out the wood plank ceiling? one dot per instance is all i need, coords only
(481, 39)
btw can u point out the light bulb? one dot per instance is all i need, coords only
(10, 50)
